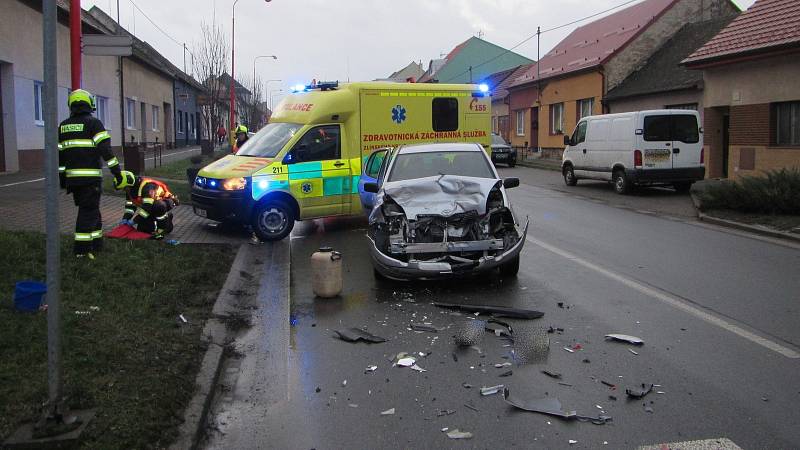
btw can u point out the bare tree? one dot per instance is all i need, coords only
(210, 62)
(252, 112)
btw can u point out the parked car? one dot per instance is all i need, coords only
(441, 210)
(643, 148)
(502, 152)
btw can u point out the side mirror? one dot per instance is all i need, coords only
(567, 140)
(509, 183)
(371, 187)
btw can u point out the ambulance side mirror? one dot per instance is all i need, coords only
(371, 187)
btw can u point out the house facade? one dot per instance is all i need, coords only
(470, 61)
(571, 80)
(21, 75)
(751, 97)
(188, 123)
(495, 82)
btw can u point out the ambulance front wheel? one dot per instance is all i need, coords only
(273, 221)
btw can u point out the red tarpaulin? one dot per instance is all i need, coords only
(125, 231)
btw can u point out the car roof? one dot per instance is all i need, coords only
(441, 147)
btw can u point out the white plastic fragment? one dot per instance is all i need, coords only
(183, 319)
(370, 369)
(633, 351)
(352, 405)
(458, 434)
(94, 308)
(569, 349)
(491, 390)
(406, 362)
(501, 365)
(572, 442)
(344, 383)
(445, 429)
(388, 412)
(418, 368)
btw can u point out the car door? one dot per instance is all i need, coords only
(319, 178)
(577, 148)
(657, 142)
(370, 175)
(686, 146)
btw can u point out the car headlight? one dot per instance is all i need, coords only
(234, 184)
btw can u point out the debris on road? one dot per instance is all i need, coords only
(344, 383)
(444, 412)
(625, 338)
(388, 412)
(496, 311)
(357, 334)
(457, 434)
(418, 368)
(611, 385)
(633, 351)
(569, 349)
(501, 365)
(491, 390)
(507, 373)
(639, 393)
(552, 330)
(466, 385)
(551, 373)
(550, 406)
(424, 327)
(371, 369)
(472, 407)
(572, 441)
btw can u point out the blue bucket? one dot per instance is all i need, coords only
(28, 295)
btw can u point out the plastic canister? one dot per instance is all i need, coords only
(326, 272)
(28, 295)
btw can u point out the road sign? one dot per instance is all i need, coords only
(103, 45)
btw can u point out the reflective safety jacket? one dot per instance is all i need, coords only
(144, 194)
(82, 142)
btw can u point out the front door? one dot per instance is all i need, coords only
(319, 178)
(657, 136)
(726, 126)
(535, 128)
(370, 175)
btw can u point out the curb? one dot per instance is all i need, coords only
(215, 333)
(539, 165)
(749, 228)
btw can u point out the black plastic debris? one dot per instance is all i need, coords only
(472, 407)
(625, 338)
(424, 327)
(506, 374)
(444, 412)
(496, 311)
(639, 393)
(552, 330)
(357, 334)
(552, 407)
(470, 333)
(551, 373)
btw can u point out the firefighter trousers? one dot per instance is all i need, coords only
(153, 218)
(88, 225)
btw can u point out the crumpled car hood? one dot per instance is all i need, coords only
(442, 195)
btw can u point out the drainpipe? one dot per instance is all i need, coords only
(75, 42)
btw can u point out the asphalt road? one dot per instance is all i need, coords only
(718, 312)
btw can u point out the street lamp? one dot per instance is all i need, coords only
(232, 116)
(272, 95)
(254, 66)
(266, 86)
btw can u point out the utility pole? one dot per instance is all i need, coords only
(184, 57)
(538, 89)
(75, 42)
(232, 88)
(121, 89)
(53, 254)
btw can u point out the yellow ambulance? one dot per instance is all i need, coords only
(306, 163)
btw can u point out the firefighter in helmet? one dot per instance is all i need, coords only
(241, 136)
(148, 204)
(82, 143)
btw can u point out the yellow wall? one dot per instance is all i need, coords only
(767, 158)
(568, 91)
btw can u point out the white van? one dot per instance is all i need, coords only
(657, 147)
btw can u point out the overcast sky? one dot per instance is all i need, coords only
(349, 39)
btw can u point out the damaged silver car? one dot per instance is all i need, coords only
(441, 210)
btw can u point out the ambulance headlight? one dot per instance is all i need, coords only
(234, 184)
(298, 88)
(483, 87)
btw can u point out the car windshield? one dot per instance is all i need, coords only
(269, 140)
(497, 140)
(409, 166)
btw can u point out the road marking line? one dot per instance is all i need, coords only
(21, 182)
(671, 300)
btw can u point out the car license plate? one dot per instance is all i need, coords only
(500, 155)
(201, 212)
(657, 154)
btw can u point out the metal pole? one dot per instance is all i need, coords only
(232, 115)
(121, 90)
(75, 42)
(538, 90)
(184, 57)
(53, 265)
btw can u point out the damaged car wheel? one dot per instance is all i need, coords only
(511, 268)
(273, 221)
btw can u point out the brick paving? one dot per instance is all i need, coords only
(22, 208)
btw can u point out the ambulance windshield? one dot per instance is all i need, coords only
(269, 140)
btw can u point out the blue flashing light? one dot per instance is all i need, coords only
(263, 184)
(298, 88)
(483, 87)
(213, 183)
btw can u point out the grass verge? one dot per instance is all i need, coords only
(176, 170)
(131, 359)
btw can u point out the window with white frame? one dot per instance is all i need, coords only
(130, 114)
(557, 118)
(585, 107)
(521, 122)
(102, 110)
(38, 114)
(155, 118)
(787, 117)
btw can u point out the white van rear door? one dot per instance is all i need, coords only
(657, 141)
(686, 145)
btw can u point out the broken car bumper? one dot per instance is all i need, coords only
(401, 270)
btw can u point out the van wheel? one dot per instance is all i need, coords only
(683, 187)
(569, 176)
(621, 185)
(273, 221)
(511, 268)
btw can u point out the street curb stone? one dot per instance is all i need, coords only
(215, 333)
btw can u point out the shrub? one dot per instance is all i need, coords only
(777, 192)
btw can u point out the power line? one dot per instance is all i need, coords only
(507, 51)
(181, 44)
